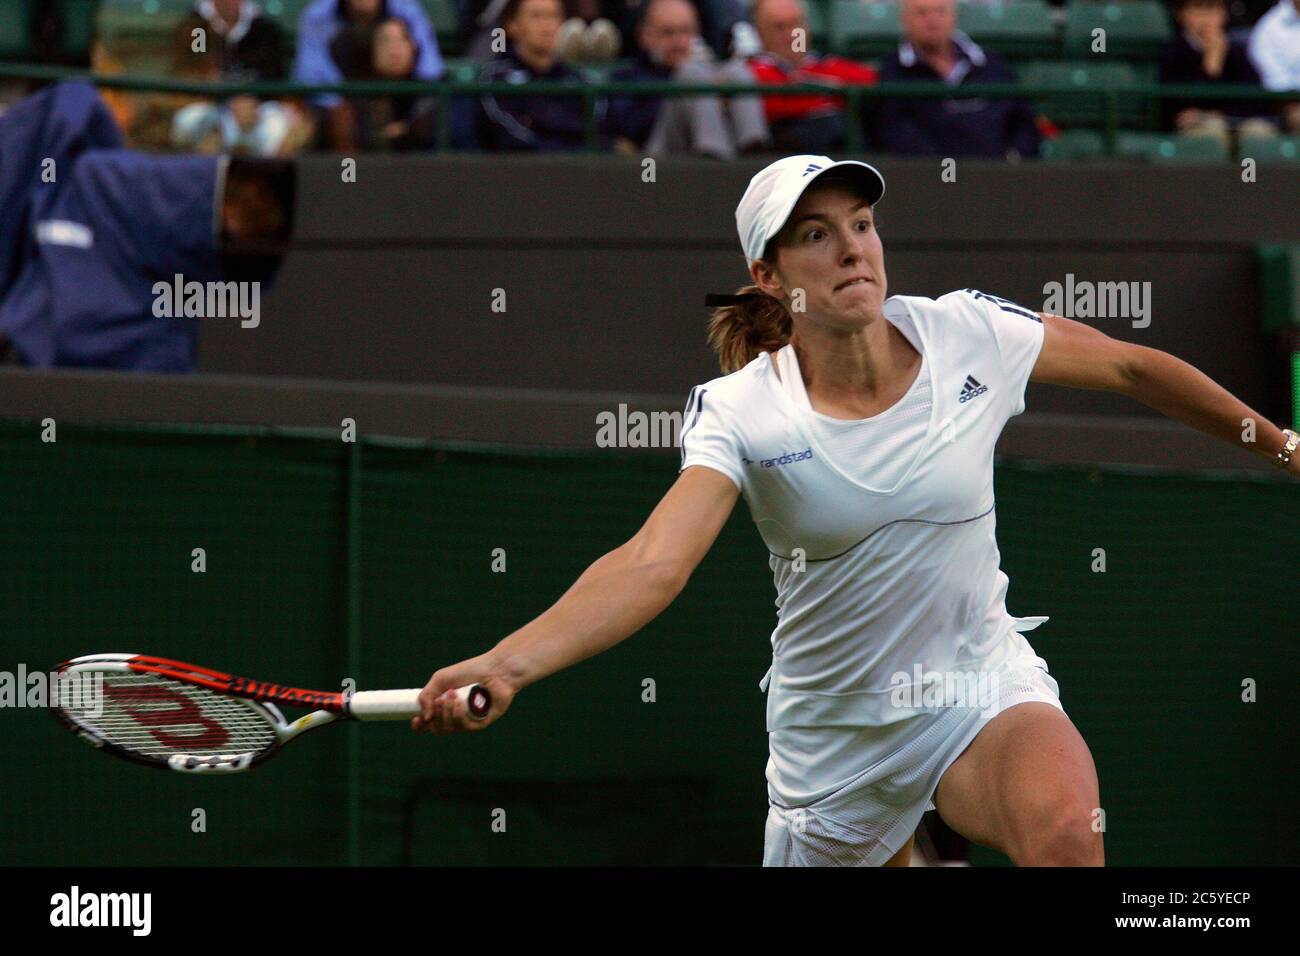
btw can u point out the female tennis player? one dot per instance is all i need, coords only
(860, 430)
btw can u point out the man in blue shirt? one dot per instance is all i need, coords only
(322, 21)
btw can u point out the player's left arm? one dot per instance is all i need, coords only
(1080, 356)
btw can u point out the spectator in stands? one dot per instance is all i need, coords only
(723, 25)
(231, 41)
(320, 25)
(933, 49)
(394, 122)
(801, 124)
(1202, 52)
(542, 123)
(670, 47)
(588, 34)
(1275, 51)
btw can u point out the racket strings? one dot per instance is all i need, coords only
(157, 716)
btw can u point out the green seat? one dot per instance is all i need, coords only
(1135, 30)
(1087, 111)
(1022, 28)
(1271, 149)
(446, 25)
(464, 71)
(286, 13)
(1165, 148)
(139, 21)
(16, 29)
(862, 30)
(819, 17)
(78, 27)
(1073, 144)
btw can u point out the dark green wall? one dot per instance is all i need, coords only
(95, 556)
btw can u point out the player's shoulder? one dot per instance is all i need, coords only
(974, 303)
(736, 390)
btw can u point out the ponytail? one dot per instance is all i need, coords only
(750, 324)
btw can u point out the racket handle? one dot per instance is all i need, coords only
(405, 704)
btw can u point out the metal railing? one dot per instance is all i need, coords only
(1109, 97)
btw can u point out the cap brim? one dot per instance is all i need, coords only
(866, 175)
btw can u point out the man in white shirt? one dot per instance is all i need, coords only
(1275, 51)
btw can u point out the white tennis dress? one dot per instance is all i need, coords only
(893, 645)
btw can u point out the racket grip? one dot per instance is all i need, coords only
(405, 704)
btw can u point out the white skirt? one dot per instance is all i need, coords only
(894, 771)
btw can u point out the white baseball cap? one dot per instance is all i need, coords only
(773, 192)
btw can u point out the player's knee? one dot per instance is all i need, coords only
(1061, 835)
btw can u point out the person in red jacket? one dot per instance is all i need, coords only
(801, 124)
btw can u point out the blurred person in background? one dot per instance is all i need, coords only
(724, 26)
(382, 123)
(800, 124)
(669, 47)
(1275, 51)
(589, 34)
(232, 41)
(1203, 53)
(932, 50)
(588, 30)
(536, 123)
(82, 258)
(319, 26)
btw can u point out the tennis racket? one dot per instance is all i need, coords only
(176, 716)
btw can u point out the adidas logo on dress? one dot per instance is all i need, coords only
(970, 389)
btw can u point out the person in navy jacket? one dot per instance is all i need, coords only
(538, 123)
(933, 50)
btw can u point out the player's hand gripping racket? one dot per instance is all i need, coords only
(168, 714)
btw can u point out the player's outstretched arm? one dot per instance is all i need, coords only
(1081, 356)
(613, 599)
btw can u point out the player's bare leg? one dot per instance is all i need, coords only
(1027, 786)
(904, 856)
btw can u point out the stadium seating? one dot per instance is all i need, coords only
(1162, 147)
(286, 12)
(1272, 149)
(1073, 144)
(819, 16)
(15, 29)
(1084, 111)
(78, 18)
(1135, 30)
(1023, 28)
(863, 30)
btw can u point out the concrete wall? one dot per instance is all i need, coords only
(391, 278)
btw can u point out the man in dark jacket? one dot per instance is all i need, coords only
(670, 48)
(934, 50)
(541, 123)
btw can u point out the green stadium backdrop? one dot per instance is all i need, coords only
(373, 560)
